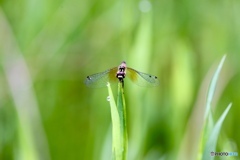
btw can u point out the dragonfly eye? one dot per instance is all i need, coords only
(121, 69)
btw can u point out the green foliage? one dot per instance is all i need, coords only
(47, 48)
(211, 131)
(119, 127)
(212, 137)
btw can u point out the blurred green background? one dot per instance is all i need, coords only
(47, 48)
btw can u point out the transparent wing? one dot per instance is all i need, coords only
(100, 79)
(142, 79)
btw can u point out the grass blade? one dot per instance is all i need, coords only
(212, 87)
(31, 139)
(211, 130)
(122, 114)
(119, 129)
(212, 141)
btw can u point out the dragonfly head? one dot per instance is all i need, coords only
(121, 71)
(122, 67)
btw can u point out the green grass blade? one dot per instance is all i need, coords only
(122, 114)
(119, 131)
(212, 141)
(116, 140)
(30, 141)
(208, 118)
(213, 87)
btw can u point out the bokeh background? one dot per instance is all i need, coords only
(47, 48)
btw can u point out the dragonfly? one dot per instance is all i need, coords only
(118, 74)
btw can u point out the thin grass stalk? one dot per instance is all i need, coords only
(119, 127)
(31, 138)
(210, 130)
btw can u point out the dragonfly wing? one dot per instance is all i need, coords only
(142, 79)
(100, 79)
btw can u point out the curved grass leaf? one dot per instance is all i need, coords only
(212, 140)
(212, 87)
(119, 129)
(211, 130)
